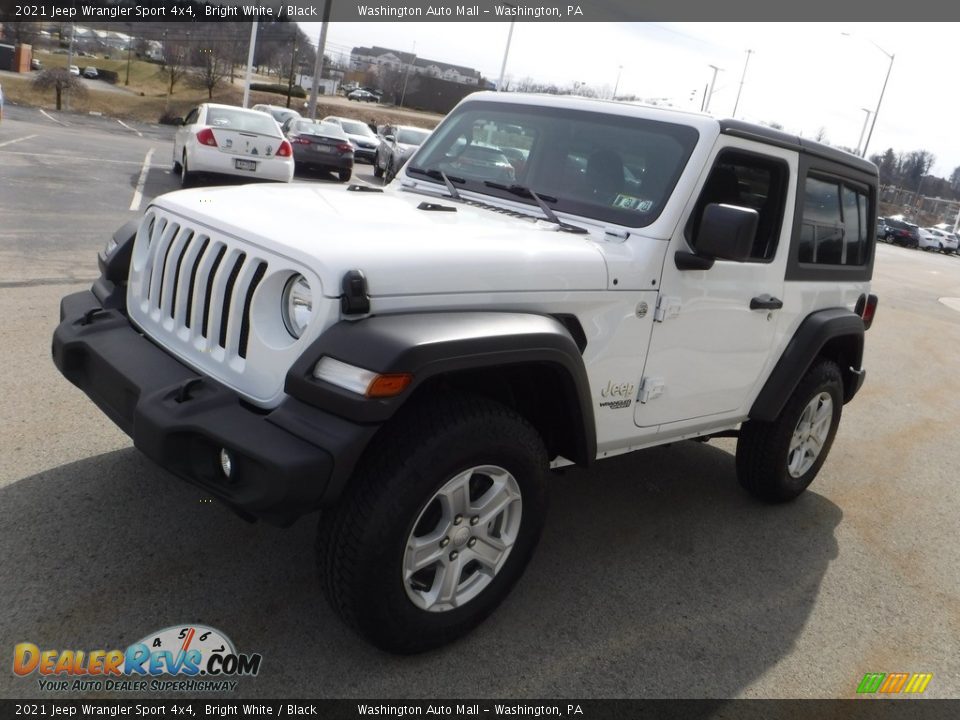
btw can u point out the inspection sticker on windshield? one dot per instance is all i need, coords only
(629, 202)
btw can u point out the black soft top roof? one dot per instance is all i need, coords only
(763, 134)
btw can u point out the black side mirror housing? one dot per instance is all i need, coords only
(727, 232)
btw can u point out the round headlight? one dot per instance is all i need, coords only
(297, 305)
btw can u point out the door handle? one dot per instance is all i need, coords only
(765, 302)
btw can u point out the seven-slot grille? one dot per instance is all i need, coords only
(197, 287)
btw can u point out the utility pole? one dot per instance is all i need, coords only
(293, 63)
(742, 78)
(253, 45)
(406, 77)
(318, 65)
(66, 96)
(617, 83)
(506, 52)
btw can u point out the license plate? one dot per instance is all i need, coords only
(323, 148)
(245, 165)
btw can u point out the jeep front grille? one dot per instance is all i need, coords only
(198, 288)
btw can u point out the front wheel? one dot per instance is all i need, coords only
(443, 517)
(777, 460)
(377, 170)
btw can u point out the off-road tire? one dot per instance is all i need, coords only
(361, 542)
(763, 447)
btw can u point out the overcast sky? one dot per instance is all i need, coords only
(805, 76)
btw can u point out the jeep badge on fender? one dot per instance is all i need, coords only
(547, 281)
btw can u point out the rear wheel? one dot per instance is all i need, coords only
(444, 515)
(777, 460)
(377, 170)
(391, 171)
(186, 177)
(344, 174)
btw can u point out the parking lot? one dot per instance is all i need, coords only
(657, 576)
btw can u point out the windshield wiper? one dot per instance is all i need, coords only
(440, 175)
(541, 200)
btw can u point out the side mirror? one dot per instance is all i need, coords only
(727, 232)
(390, 138)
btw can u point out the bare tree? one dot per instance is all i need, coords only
(61, 81)
(175, 64)
(212, 64)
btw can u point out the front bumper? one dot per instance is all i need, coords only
(286, 462)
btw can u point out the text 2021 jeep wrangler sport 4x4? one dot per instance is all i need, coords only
(548, 281)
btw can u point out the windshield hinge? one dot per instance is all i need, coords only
(667, 307)
(615, 234)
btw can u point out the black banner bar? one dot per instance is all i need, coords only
(865, 709)
(475, 10)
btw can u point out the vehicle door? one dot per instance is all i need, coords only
(715, 323)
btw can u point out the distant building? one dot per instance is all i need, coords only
(371, 59)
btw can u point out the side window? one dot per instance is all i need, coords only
(833, 229)
(191, 117)
(750, 181)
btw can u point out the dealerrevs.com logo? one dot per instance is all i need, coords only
(187, 658)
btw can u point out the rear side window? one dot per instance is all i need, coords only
(834, 228)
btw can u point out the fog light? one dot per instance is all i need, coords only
(226, 462)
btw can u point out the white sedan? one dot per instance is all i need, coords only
(228, 140)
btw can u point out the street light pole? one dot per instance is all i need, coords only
(617, 83)
(882, 91)
(866, 119)
(876, 112)
(706, 102)
(742, 78)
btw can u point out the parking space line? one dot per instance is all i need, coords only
(128, 127)
(141, 181)
(11, 142)
(51, 117)
(71, 157)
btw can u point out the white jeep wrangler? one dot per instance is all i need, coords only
(549, 281)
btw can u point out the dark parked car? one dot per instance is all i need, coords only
(364, 140)
(321, 145)
(363, 96)
(900, 232)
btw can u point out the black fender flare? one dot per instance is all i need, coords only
(429, 345)
(815, 332)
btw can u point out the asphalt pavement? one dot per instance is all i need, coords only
(656, 576)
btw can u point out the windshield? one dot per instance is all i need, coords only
(311, 127)
(411, 137)
(355, 128)
(610, 167)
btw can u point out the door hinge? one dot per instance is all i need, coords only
(650, 388)
(667, 307)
